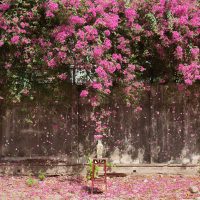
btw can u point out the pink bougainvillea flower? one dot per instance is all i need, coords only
(61, 36)
(4, 6)
(7, 66)
(111, 69)
(62, 76)
(137, 28)
(81, 34)
(22, 24)
(25, 41)
(51, 63)
(111, 21)
(97, 86)
(97, 52)
(101, 72)
(15, 19)
(61, 55)
(190, 72)
(188, 81)
(77, 20)
(131, 67)
(117, 57)
(179, 52)
(107, 44)
(84, 93)
(176, 36)
(15, 39)
(130, 14)
(138, 109)
(94, 101)
(195, 52)
(53, 6)
(142, 69)
(80, 45)
(98, 137)
(91, 33)
(49, 14)
(107, 33)
(107, 91)
(1, 43)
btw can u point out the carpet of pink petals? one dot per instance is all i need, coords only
(154, 187)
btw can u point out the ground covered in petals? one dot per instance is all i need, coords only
(75, 188)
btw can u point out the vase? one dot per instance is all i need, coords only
(99, 149)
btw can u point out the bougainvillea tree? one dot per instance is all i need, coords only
(107, 44)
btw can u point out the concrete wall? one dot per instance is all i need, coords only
(165, 131)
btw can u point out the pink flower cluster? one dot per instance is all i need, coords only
(190, 72)
(51, 63)
(15, 39)
(111, 21)
(195, 53)
(98, 137)
(97, 52)
(1, 43)
(4, 6)
(77, 20)
(97, 86)
(53, 6)
(84, 93)
(176, 36)
(61, 36)
(101, 72)
(62, 76)
(112, 43)
(91, 33)
(179, 52)
(130, 14)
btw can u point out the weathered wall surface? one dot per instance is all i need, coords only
(167, 130)
(175, 125)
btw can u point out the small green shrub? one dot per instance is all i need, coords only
(89, 170)
(31, 182)
(41, 175)
(109, 166)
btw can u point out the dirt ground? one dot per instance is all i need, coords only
(154, 187)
